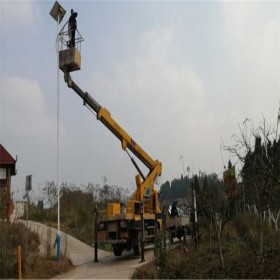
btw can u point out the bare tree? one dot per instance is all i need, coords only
(258, 150)
(50, 191)
(215, 207)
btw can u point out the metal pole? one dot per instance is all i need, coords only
(95, 235)
(243, 199)
(164, 227)
(142, 232)
(19, 262)
(182, 158)
(26, 229)
(195, 218)
(155, 231)
(58, 179)
(184, 235)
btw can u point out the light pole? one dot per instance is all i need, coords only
(142, 231)
(182, 159)
(57, 12)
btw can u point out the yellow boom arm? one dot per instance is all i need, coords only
(127, 142)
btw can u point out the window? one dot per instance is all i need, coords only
(2, 183)
(2, 173)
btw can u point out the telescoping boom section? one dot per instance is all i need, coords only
(145, 184)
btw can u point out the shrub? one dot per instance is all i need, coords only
(11, 236)
(147, 271)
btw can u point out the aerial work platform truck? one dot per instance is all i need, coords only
(122, 226)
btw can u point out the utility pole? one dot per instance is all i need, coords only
(57, 12)
(142, 232)
(163, 213)
(26, 228)
(28, 187)
(195, 219)
(95, 234)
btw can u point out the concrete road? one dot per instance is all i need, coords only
(82, 255)
(73, 249)
(109, 267)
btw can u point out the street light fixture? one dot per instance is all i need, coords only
(57, 12)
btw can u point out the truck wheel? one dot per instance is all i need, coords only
(117, 250)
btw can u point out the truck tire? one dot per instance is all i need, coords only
(117, 249)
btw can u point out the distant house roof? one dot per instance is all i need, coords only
(7, 159)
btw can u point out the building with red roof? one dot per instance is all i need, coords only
(7, 170)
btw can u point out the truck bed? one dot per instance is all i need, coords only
(177, 221)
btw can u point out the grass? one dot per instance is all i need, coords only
(45, 268)
(33, 265)
(200, 265)
(74, 221)
(241, 255)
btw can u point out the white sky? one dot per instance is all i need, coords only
(178, 76)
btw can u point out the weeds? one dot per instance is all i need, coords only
(11, 236)
(162, 254)
(33, 265)
(240, 249)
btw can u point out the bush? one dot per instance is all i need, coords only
(242, 260)
(11, 236)
(147, 271)
(161, 255)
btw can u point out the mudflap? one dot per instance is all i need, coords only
(118, 249)
(136, 244)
